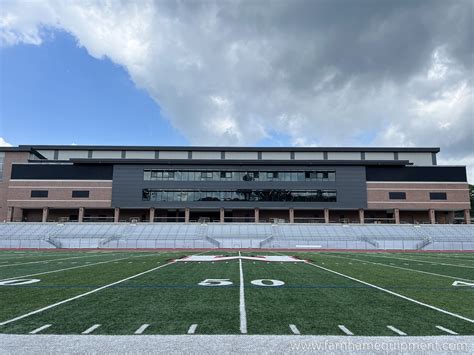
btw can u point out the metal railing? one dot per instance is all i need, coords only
(379, 220)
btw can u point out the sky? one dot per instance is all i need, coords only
(252, 72)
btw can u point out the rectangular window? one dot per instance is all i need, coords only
(272, 175)
(438, 196)
(39, 193)
(80, 194)
(206, 175)
(226, 175)
(397, 195)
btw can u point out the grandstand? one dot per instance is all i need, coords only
(236, 235)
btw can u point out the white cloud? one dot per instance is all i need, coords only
(339, 73)
(4, 143)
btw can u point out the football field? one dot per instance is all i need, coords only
(315, 293)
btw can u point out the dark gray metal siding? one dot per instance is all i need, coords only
(128, 184)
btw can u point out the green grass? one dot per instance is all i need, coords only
(170, 299)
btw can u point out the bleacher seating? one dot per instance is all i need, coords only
(236, 235)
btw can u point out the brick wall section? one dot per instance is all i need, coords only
(418, 196)
(59, 194)
(10, 157)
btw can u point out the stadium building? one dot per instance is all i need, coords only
(48, 183)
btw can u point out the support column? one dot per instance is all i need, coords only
(292, 215)
(257, 215)
(361, 216)
(152, 215)
(467, 216)
(116, 214)
(396, 213)
(326, 215)
(221, 215)
(186, 215)
(432, 215)
(45, 214)
(10, 213)
(80, 216)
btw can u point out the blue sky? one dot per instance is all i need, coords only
(240, 72)
(57, 93)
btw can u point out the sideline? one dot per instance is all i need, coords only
(231, 344)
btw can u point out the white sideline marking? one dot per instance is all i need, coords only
(74, 267)
(46, 261)
(345, 330)
(449, 331)
(82, 294)
(91, 329)
(192, 328)
(243, 313)
(398, 331)
(394, 294)
(294, 329)
(37, 330)
(142, 328)
(402, 268)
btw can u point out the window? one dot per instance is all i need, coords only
(238, 175)
(80, 194)
(275, 195)
(272, 175)
(438, 196)
(39, 193)
(206, 175)
(226, 175)
(397, 195)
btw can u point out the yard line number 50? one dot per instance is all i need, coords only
(227, 282)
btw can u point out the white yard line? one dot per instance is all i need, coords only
(400, 267)
(294, 329)
(243, 312)
(446, 330)
(37, 330)
(394, 293)
(142, 328)
(45, 261)
(345, 330)
(91, 329)
(398, 331)
(83, 294)
(73, 267)
(423, 261)
(192, 329)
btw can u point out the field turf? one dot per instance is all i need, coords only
(333, 293)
